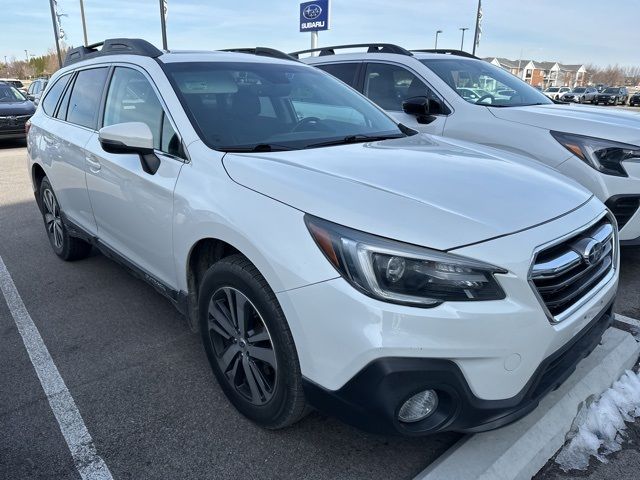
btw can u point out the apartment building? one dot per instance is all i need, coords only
(543, 74)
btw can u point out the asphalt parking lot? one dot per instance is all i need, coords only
(141, 381)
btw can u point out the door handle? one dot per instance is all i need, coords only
(94, 163)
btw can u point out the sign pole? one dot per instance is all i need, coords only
(314, 16)
(55, 31)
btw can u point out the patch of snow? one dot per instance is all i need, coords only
(599, 427)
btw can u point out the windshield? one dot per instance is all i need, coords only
(611, 90)
(273, 106)
(579, 90)
(10, 94)
(552, 89)
(466, 73)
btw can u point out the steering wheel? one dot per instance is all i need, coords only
(484, 97)
(313, 122)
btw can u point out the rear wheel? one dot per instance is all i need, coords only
(64, 245)
(249, 344)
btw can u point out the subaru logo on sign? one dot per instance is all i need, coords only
(314, 16)
(311, 12)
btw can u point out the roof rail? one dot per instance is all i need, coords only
(262, 51)
(112, 46)
(371, 48)
(444, 51)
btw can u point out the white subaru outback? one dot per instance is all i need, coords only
(452, 93)
(329, 256)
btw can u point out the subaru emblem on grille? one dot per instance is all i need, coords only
(589, 249)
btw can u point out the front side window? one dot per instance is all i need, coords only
(247, 106)
(85, 97)
(390, 85)
(53, 95)
(342, 71)
(498, 88)
(131, 98)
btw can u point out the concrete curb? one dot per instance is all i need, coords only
(520, 450)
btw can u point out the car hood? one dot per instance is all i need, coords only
(440, 193)
(16, 108)
(611, 124)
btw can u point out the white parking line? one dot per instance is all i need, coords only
(86, 459)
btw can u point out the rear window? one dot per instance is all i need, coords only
(342, 71)
(53, 95)
(86, 96)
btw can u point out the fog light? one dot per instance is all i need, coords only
(418, 407)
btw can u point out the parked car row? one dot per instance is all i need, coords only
(329, 248)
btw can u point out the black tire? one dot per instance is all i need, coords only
(64, 245)
(286, 403)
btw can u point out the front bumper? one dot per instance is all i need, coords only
(371, 400)
(496, 347)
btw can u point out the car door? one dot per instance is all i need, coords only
(134, 209)
(389, 84)
(72, 122)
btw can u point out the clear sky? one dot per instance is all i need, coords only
(570, 31)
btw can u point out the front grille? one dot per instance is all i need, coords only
(566, 273)
(14, 121)
(623, 208)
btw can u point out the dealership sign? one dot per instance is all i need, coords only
(314, 16)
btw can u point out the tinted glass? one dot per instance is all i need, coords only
(86, 96)
(611, 90)
(579, 90)
(477, 74)
(282, 106)
(53, 95)
(131, 98)
(390, 85)
(9, 94)
(342, 71)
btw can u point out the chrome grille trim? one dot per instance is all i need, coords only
(566, 273)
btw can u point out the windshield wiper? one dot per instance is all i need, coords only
(261, 147)
(354, 139)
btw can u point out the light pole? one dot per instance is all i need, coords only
(84, 23)
(438, 32)
(55, 31)
(163, 23)
(26, 54)
(463, 29)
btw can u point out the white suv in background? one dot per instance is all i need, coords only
(454, 94)
(329, 256)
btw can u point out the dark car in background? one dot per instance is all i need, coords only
(15, 111)
(634, 100)
(612, 96)
(580, 95)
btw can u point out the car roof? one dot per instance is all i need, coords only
(358, 56)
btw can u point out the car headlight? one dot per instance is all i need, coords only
(605, 156)
(402, 273)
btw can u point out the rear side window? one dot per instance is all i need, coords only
(342, 71)
(53, 95)
(86, 96)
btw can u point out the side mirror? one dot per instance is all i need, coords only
(132, 138)
(422, 107)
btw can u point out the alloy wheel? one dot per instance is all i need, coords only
(52, 219)
(242, 345)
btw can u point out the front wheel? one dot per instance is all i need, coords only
(249, 344)
(64, 245)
